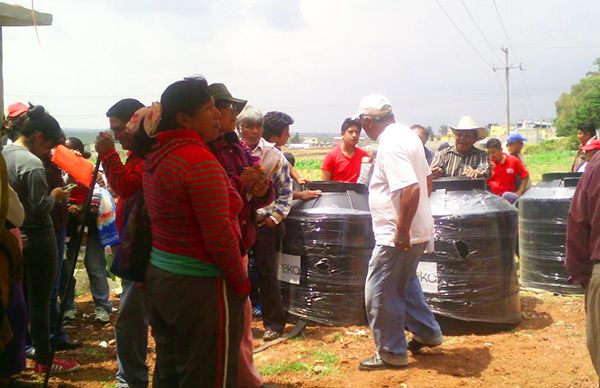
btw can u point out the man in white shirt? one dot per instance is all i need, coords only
(403, 226)
(270, 231)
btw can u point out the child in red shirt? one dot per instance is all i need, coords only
(342, 164)
(506, 170)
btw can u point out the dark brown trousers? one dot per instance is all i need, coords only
(197, 324)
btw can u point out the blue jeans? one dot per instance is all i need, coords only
(131, 332)
(394, 300)
(95, 265)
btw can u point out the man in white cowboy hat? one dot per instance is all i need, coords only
(403, 225)
(463, 159)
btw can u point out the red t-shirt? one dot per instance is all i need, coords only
(504, 175)
(341, 167)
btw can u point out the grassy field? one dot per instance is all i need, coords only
(549, 161)
(551, 156)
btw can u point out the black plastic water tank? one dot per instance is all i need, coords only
(471, 275)
(326, 251)
(543, 212)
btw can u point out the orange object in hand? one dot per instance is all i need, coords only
(78, 167)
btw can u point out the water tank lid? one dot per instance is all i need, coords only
(459, 184)
(336, 187)
(556, 176)
(571, 181)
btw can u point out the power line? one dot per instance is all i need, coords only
(481, 32)
(514, 55)
(74, 96)
(463, 35)
(504, 29)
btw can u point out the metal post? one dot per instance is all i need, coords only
(507, 70)
(1, 72)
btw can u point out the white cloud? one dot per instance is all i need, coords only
(314, 59)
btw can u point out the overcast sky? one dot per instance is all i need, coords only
(314, 59)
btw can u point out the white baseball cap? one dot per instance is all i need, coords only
(373, 105)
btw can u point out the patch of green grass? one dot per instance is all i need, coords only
(309, 168)
(324, 363)
(91, 351)
(308, 164)
(544, 161)
(283, 367)
(326, 357)
(328, 361)
(555, 155)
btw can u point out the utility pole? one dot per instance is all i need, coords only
(507, 68)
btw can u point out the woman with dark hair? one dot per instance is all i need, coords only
(196, 280)
(38, 135)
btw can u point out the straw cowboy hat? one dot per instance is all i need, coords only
(467, 123)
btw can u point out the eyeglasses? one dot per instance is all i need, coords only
(225, 105)
(467, 134)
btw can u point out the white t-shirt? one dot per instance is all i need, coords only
(400, 163)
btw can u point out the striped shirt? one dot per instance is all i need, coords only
(455, 164)
(273, 160)
(192, 206)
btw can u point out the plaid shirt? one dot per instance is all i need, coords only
(454, 164)
(272, 159)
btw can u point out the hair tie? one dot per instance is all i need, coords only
(35, 112)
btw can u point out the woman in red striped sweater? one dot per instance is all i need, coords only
(196, 281)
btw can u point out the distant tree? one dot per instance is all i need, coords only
(296, 139)
(581, 104)
(443, 130)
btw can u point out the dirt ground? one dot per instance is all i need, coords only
(547, 349)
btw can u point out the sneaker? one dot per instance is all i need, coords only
(271, 335)
(69, 315)
(376, 363)
(102, 315)
(58, 366)
(67, 345)
(257, 311)
(30, 352)
(416, 344)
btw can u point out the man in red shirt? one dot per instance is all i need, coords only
(342, 164)
(125, 180)
(506, 170)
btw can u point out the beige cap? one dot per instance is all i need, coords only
(373, 105)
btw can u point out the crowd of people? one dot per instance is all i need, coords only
(200, 203)
(503, 168)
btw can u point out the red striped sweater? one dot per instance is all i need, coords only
(192, 206)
